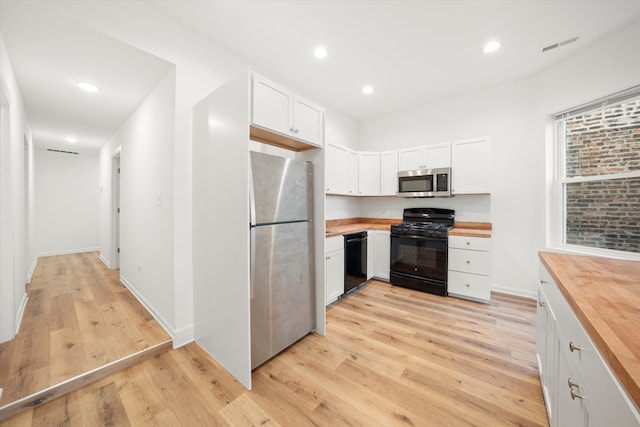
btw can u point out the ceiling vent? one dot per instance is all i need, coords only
(61, 151)
(560, 44)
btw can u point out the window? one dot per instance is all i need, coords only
(598, 177)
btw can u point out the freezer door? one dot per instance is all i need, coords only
(282, 288)
(282, 189)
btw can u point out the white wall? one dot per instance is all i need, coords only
(146, 201)
(66, 193)
(514, 116)
(16, 197)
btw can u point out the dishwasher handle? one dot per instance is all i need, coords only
(358, 239)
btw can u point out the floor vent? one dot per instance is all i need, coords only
(61, 151)
(560, 44)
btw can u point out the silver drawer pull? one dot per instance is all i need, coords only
(541, 303)
(573, 347)
(467, 285)
(574, 393)
(468, 262)
(468, 243)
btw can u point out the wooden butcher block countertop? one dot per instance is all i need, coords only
(604, 294)
(339, 227)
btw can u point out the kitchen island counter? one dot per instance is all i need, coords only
(604, 294)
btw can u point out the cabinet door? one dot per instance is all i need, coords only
(471, 166)
(368, 174)
(438, 156)
(411, 158)
(572, 412)
(546, 354)
(307, 121)
(389, 173)
(337, 169)
(334, 276)
(272, 106)
(352, 173)
(382, 254)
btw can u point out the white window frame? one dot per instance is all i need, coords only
(556, 220)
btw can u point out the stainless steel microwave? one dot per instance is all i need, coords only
(425, 183)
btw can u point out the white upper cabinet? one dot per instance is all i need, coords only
(471, 166)
(425, 157)
(368, 173)
(389, 173)
(336, 169)
(280, 110)
(352, 166)
(341, 170)
(438, 155)
(412, 158)
(307, 121)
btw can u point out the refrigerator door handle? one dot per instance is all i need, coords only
(252, 261)
(252, 199)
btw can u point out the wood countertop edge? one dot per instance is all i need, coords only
(581, 308)
(354, 225)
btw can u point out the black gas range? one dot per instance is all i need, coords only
(419, 249)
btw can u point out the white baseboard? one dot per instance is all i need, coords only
(183, 336)
(165, 325)
(104, 261)
(68, 251)
(515, 292)
(23, 305)
(31, 270)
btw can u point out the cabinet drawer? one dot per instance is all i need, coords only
(333, 244)
(469, 285)
(476, 262)
(473, 243)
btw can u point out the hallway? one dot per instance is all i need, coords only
(79, 318)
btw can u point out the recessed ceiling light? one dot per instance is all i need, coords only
(491, 46)
(70, 139)
(320, 52)
(367, 90)
(89, 87)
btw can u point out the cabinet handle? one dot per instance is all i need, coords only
(468, 262)
(574, 394)
(468, 243)
(291, 129)
(541, 303)
(573, 347)
(296, 131)
(467, 285)
(544, 282)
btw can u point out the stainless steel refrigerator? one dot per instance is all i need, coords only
(282, 266)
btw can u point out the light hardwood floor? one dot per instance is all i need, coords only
(78, 319)
(391, 357)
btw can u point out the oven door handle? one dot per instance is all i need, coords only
(409, 236)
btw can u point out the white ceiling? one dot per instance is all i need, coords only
(50, 56)
(411, 52)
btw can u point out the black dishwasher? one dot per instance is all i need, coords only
(355, 260)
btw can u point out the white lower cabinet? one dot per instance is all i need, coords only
(334, 268)
(579, 387)
(469, 273)
(381, 253)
